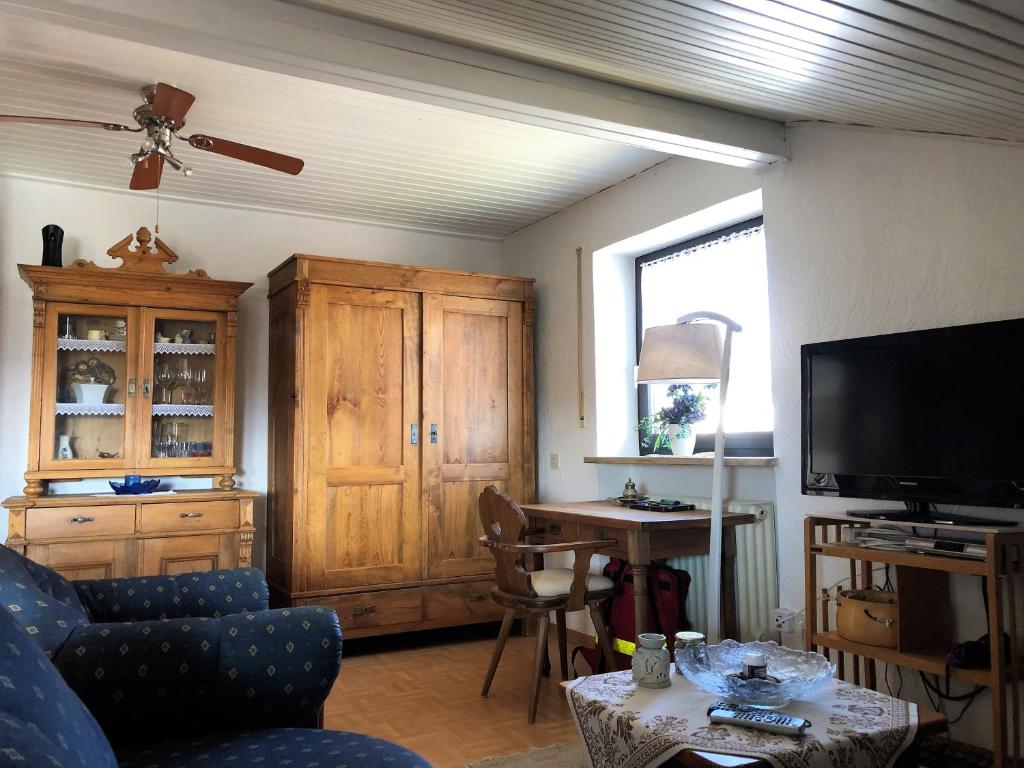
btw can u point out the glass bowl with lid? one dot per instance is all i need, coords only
(791, 674)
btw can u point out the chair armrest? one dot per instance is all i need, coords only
(536, 549)
(154, 680)
(145, 598)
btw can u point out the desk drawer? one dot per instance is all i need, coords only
(78, 522)
(194, 516)
(463, 601)
(375, 609)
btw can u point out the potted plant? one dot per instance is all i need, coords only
(673, 424)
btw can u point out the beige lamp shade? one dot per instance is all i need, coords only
(682, 352)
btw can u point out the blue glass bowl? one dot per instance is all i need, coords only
(801, 674)
(146, 486)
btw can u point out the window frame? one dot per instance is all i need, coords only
(736, 444)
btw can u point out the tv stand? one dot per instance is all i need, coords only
(921, 512)
(926, 628)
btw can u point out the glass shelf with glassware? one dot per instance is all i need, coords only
(184, 372)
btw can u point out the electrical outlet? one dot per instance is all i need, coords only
(554, 461)
(786, 620)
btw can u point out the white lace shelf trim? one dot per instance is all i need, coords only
(91, 345)
(87, 409)
(183, 410)
(170, 348)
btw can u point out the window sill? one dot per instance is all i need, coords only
(692, 461)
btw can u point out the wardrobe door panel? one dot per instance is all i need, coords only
(473, 403)
(364, 470)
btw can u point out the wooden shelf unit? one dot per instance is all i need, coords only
(925, 613)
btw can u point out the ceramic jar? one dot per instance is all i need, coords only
(651, 661)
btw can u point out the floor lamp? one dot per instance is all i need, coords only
(694, 352)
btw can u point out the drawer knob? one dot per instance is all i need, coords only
(478, 597)
(190, 515)
(364, 610)
(82, 519)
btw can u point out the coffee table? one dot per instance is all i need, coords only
(622, 725)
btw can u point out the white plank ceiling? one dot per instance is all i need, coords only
(953, 66)
(368, 157)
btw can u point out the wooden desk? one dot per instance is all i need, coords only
(643, 537)
(929, 723)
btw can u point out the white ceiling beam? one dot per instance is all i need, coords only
(306, 43)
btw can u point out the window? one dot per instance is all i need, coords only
(723, 271)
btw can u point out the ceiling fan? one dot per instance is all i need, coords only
(161, 117)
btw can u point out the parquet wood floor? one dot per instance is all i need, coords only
(423, 692)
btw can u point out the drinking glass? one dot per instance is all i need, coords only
(183, 376)
(166, 379)
(200, 381)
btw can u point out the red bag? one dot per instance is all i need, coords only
(667, 589)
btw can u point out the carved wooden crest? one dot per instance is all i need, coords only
(144, 257)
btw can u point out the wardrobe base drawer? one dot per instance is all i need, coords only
(375, 609)
(464, 601)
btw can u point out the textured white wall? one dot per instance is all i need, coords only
(546, 251)
(230, 243)
(871, 233)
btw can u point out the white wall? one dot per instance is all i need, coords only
(230, 243)
(868, 233)
(546, 251)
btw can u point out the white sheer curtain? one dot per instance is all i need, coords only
(728, 275)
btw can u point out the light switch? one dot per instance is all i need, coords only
(554, 461)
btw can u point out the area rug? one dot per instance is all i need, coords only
(558, 756)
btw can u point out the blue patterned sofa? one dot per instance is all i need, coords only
(167, 672)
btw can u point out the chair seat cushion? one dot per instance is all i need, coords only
(274, 748)
(552, 582)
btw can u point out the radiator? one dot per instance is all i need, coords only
(757, 573)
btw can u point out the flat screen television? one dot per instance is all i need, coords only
(922, 418)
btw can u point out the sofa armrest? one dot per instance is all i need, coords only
(153, 680)
(145, 598)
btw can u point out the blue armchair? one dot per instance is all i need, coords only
(171, 670)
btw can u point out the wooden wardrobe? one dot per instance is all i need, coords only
(396, 395)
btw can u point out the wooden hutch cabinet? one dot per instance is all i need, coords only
(397, 394)
(132, 373)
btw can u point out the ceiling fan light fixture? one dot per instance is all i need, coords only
(161, 118)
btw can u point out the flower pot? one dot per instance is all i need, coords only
(89, 394)
(681, 446)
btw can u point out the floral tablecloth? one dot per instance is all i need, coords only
(624, 726)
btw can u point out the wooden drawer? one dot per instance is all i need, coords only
(463, 601)
(79, 522)
(189, 516)
(375, 609)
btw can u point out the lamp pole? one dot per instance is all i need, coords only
(714, 588)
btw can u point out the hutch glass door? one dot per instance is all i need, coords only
(183, 386)
(89, 366)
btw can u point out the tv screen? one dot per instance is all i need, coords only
(925, 416)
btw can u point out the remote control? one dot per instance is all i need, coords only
(760, 719)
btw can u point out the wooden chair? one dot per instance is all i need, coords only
(540, 592)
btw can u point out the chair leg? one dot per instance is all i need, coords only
(562, 643)
(538, 662)
(602, 637)
(499, 646)
(546, 670)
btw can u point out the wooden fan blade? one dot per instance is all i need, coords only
(171, 103)
(62, 121)
(147, 173)
(249, 154)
